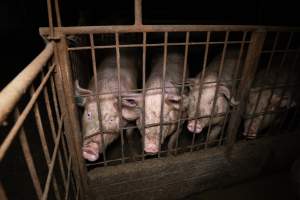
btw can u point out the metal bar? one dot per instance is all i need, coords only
(14, 131)
(57, 13)
(29, 160)
(50, 19)
(187, 38)
(234, 84)
(52, 127)
(138, 12)
(201, 83)
(119, 92)
(52, 163)
(251, 62)
(162, 84)
(12, 93)
(265, 76)
(68, 178)
(150, 45)
(41, 132)
(220, 70)
(2, 192)
(144, 92)
(162, 28)
(97, 98)
(53, 90)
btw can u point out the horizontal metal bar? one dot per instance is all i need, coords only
(11, 94)
(53, 158)
(14, 131)
(161, 28)
(151, 45)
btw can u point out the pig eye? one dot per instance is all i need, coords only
(89, 115)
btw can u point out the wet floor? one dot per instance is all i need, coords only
(272, 187)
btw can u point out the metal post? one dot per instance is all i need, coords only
(138, 12)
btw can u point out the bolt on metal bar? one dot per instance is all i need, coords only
(144, 93)
(43, 140)
(12, 93)
(67, 187)
(53, 159)
(220, 71)
(3, 195)
(234, 84)
(14, 131)
(265, 76)
(28, 158)
(186, 53)
(201, 79)
(97, 98)
(52, 128)
(119, 92)
(162, 84)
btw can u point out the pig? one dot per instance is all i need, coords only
(132, 103)
(266, 102)
(224, 98)
(107, 82)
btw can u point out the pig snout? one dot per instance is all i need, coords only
(151, 148)
(191, 126)
(151, 140)
(90, 151)
(250, 132)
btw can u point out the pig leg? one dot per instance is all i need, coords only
(130, 139)
(214, 133)
(172, 140)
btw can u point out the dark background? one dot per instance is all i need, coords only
(20, 20)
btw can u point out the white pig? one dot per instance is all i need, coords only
(208, 92)
(132, 104)
(107, 82)
(265, 102)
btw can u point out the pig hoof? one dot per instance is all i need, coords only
(90, 154)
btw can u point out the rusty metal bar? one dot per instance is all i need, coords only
(162, 84)
(138, 12)
(220, 70)
(162, 28)
(265, 76)
(67, 187)
(12, 93)
(29, 160)
(201, 84)
(52, 163)
(186, 53)
(234, 84)
(251, 63)
(144, 93)
(14, 131)
(57, 13)
(50, 19)
(97, 98)
(41, 132)
(66, 93)
(2, 192)
(52, 127)
(119, 92)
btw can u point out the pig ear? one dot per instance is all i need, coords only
(173, 100)
(79, 92)
(225, 91)
(130, 107)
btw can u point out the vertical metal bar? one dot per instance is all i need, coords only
(186, 53)
(234, 84)
(97, 96)
(41, 132)
(2, 192)
(52, 127)
(53, 90)
(144, 93)
(137, 12)
(251, 62)
(57, 13)
(66, 97)
(201, 84)
(162, 84)
(119, 92)
(68, 179)
(29, 160)
(50, 19)
(220, 70)
(265, 76)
